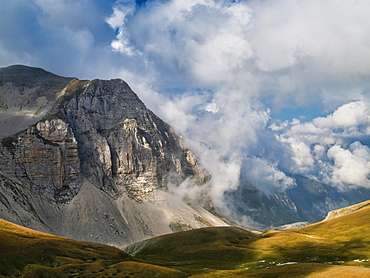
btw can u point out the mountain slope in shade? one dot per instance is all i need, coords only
(28, 253)
(26, 96)
(88, 160)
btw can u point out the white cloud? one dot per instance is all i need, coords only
(328, 147)
(293, 48)
(322, 31)
(225, 171)
(351, 167)
(233, 61)
(291, 52)
(301, 155)
(349, 115)
(202, 40)
(266, 176)
(117, 19)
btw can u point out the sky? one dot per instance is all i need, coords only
(270, 88)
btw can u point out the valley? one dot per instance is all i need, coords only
(333, 248)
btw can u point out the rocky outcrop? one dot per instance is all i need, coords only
(45, 158)
(346, 210)
(123, 146)
(96, 164)
(99, 130)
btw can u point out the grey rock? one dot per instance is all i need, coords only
(95, 165)
(45, 158)
(26, 96)
(123, 146)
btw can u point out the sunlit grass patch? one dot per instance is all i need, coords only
(335, 248)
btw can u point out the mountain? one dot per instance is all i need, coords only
(309, 201)
(87, 160)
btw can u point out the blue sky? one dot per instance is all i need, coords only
(279, 85)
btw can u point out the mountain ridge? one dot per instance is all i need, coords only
(92, 136)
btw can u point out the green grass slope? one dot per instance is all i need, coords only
(27, 253)
(192, 251)
(339, 247)
(335, 248)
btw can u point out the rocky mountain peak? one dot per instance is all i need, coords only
(99, 130)
(79, 152)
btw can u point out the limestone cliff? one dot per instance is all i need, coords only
(123, 146)
(87, 159)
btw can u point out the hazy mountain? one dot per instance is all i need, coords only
(309, 201)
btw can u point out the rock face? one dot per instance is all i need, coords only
(88, 160)
(123, 146)
(45, 158)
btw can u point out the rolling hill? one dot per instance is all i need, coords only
(334, 248)
(28, 253)
(339, 247)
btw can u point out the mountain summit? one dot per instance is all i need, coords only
(88, 160)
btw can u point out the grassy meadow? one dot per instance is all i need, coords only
(338, 247)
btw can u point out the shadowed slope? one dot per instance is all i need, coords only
(27, 94)
(28, 253)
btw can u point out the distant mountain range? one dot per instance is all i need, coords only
(309, 201)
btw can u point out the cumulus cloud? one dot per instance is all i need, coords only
(266, 176)
(334, 148)
(309, 50)
(248, 58)
(351, 167)
(352, 114)
(217, 71)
